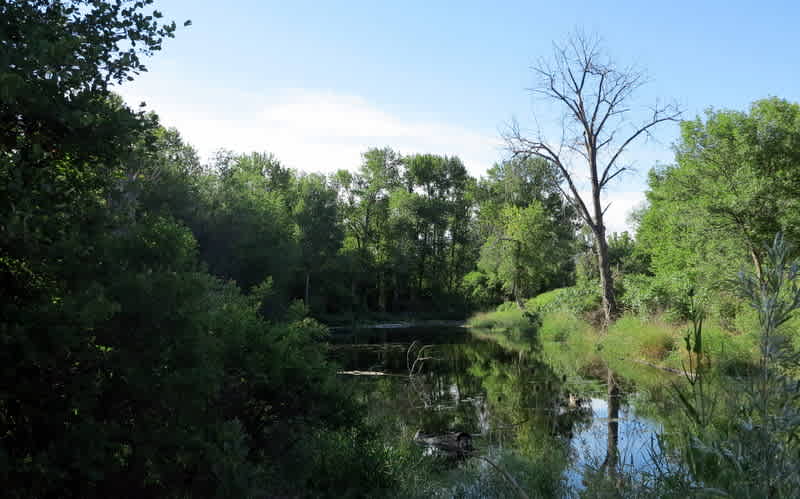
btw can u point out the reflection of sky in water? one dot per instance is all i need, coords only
(637, 441)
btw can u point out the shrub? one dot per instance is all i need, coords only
(642, 294)
(582, 298)
(513, 321)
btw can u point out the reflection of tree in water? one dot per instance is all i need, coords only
(611, 462)
(512, 399)
(527, 403)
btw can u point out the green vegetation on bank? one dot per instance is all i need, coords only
(657, 341)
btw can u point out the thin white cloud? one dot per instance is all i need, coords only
(319, 131)
(620, 206)
(313, 130)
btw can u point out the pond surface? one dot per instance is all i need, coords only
(443, 379)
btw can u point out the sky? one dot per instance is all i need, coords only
(318, 83)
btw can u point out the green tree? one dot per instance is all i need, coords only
(319, 235)
(250, 235)
(522, 183)
(520, 256)
(730, 190)
(408, 224)
(128, 370)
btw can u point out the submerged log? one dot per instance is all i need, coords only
(368, 373)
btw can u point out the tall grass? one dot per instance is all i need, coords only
(509, 326)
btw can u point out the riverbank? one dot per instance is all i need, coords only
(387, 319)
(632, 339)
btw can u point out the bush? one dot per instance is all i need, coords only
(513, 321)
(547, 301)
(348, 463)
(583, 298)
(752, 452)
(641, 295)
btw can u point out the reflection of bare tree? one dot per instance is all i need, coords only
(611, 463)
(416, 351)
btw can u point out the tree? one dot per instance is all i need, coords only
(594, 93)
(522, 183)
(733, 186)
(319, 234)
(251, 234)
(739, 170)
(520, 255)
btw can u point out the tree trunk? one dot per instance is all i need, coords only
(381, 292)
(308, 289)
(610, 308)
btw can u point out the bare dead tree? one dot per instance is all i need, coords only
(593, 93)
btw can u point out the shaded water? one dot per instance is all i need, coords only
(442, 379)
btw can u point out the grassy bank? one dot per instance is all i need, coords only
(567, 337)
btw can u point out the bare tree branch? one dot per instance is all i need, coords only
(594, 94)
(659, 116)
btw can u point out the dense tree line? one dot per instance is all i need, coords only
(399, 235)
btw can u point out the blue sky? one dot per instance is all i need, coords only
(317, 83)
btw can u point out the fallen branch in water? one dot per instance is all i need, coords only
(368, 373)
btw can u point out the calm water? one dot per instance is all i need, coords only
(509, 400)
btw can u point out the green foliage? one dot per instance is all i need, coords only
(407, 242)
(716, 208)
(625, 256)
(509, 321)
(527, 229)
(480, 290)
(583, 298)
(319, 235)
(155, 323)
(347, 463)
(547, 301)
(519, 255)
(541, 477)
(129, 371)
(643, 296)
(250, 233)
(634, 338)
(561, 326)
(753, 452)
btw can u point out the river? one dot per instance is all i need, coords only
(513, 401)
